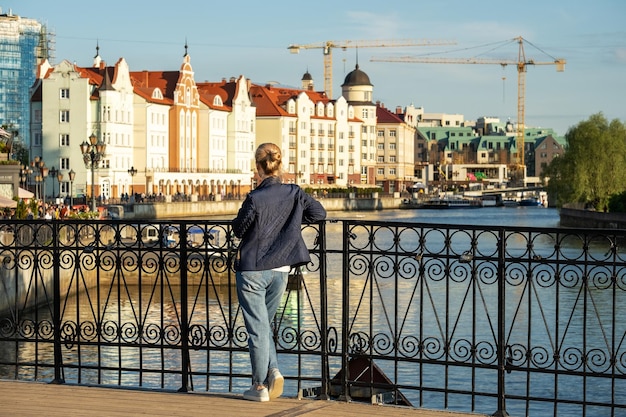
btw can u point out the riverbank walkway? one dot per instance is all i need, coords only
(29, 399)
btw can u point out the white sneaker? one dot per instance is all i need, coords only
(275, 382)
(257, 393)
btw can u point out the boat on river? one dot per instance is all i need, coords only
(443, 203)
(530, 202)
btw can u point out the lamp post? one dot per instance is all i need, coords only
(53, 173)
(25, 173)
(132, 171)
(72, 175)
(37, 181)
(93, 152)
(38, 165)
(44, 174)
(59, 179)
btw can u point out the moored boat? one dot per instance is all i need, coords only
(449, 203)
(510, 203)
(530, 202)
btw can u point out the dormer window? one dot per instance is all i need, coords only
(291, 107)
(157, 94)
(217, 101)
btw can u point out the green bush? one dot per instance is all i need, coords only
(617, 203)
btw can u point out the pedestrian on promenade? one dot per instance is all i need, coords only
(269, 226)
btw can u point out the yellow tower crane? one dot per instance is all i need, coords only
(521, 65)
(327, 48)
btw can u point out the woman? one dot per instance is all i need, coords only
(269, 225)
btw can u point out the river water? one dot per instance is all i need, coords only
(487, 216)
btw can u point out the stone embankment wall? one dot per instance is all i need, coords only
(578, 217)
(231, 207)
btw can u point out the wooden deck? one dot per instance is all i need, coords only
(28, 399)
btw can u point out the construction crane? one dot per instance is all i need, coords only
(328, 46)
(521, 65)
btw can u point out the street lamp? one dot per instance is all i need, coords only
(25, 173)
(72, 175)
(132, 171)
(93, 152)
(38, 179)
(44, 174)
(53, 173)
(59, 178)
(38, 164)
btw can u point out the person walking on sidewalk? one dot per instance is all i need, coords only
(269, 224)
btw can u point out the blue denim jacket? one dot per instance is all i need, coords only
(269, 224)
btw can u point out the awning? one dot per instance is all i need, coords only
(22, 193)
(7, 202)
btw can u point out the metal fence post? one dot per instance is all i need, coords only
(56, 304)
(184, 311)
(345, 314)
(325, 394)
(501, 342)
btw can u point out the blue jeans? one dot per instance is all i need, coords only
(260, 294)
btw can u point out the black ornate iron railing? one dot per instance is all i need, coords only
(520, 321)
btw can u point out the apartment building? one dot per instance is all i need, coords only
(395, 142)
(318, 136)
(358, 91)
(159, 123)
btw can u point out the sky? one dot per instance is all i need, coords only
(250, 37)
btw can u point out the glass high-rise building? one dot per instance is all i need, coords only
(24, 43)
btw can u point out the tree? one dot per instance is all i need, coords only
(593, 167)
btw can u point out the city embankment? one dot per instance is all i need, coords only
(159, 211)
(574, 215)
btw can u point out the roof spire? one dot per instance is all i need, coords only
(97, 60)
(185, 46)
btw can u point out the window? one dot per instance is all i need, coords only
(381, 146)
(65, 93)
(392, 146)
(392, 171)
(65, 139)
(65, 116)
(381, 159)
(392, 133)
(65, 163)
(380, 171)
(392, 158)
(381, 133)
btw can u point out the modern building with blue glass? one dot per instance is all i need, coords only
(24, 43)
